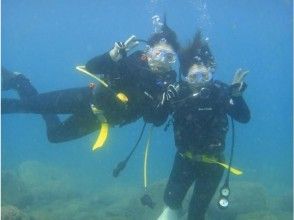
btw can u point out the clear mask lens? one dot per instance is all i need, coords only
(199, 77)
(162, 56)
(163, 41)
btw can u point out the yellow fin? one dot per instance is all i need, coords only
(122, 97)
(101, 137)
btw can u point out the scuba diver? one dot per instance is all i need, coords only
(200, 118)
(131, 86)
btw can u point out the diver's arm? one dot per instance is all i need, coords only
(238, 109)
(102, 64)
(156, 115)
(110, 62)
(235, 106)
(159, 110)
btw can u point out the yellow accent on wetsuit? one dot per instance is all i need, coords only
(122, 97)
(210, 159)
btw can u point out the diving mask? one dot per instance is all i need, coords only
(199, 77)
(161, 55)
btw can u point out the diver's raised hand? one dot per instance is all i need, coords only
(170, 94)
(238, 85)
(120, 49)
(131, 42)
(239, 76)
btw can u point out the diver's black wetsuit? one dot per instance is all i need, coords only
(131, 76)
(200, 127)
(25, 90)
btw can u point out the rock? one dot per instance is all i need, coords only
(12, 213)
(35, 183)
(41, 177)
(282, 202)
(13, 189)
(44, 182)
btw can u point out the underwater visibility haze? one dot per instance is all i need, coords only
(46, 40)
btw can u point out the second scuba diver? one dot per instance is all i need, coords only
(142, 77)
(200, 121)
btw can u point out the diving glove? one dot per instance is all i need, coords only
(238, 85)
(120, 49)
(170, 93)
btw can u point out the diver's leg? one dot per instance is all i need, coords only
(180, 180)
(67, 101)
(9, 106)
(18, 82)
(49, 104)
(74, 127)
(75, 100)
(25, 90)
(63, 101)
(207, 181)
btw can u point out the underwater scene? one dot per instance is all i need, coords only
(121, 110)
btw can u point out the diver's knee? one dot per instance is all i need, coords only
(54, 137)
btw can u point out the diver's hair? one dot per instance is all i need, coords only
(168, 34)
(197, 52)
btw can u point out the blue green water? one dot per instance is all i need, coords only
(45, 40)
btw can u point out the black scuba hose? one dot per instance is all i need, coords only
(121, 165)
(136, 145)
(232, 152)
(223, 201)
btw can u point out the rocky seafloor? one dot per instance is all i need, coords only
(35, 191)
